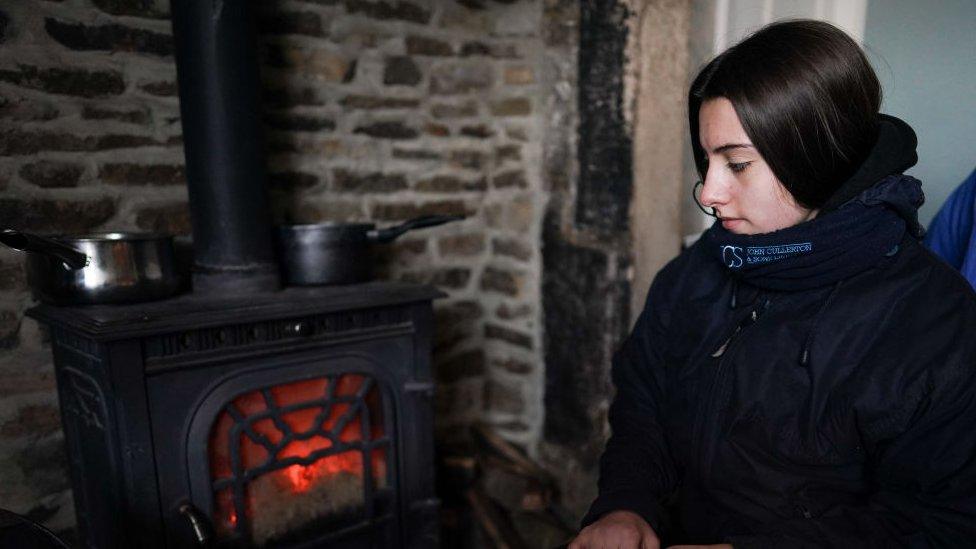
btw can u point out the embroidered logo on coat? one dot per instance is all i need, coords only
(732, 256)
(735, 257)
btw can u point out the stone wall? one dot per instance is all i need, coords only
(377, 110)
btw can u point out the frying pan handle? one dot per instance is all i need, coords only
(391, 233)
(25, 242)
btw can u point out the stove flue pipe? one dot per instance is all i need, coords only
(216, 66)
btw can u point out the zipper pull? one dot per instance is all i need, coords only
(753, 317)
(721, 349)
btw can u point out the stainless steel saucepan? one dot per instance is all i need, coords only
(98, 268)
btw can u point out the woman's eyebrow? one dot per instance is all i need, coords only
(730, 146)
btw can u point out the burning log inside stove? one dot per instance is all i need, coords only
(286, 457)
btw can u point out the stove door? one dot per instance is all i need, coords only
(294, 451)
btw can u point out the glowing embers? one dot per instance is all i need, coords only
(284, 458)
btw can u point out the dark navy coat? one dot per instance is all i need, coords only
(842, 416)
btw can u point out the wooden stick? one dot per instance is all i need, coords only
(493, 521)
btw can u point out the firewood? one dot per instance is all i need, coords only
(494, 521)
(510, 452)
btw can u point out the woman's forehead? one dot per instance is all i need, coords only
(719, 128)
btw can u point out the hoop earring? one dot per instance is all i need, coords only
(695, 193)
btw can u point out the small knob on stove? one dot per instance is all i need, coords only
(299, 328)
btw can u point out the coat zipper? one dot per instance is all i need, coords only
(720, 353)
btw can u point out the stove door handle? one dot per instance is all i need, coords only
(199, 525)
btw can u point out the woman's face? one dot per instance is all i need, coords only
(747, 197)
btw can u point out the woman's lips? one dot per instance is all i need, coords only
(731, 222)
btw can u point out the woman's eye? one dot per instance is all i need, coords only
(737, 167)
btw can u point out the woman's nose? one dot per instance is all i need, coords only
(713, 193)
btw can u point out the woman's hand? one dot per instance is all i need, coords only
(617, 530)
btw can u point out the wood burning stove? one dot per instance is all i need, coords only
(243, 415)
(297, 418)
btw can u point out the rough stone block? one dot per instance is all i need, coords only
(18, 142)
(56, 215)
(453, 79)
(461, 110)
(507, 152)
(473, 4)
(387, 130)
(9, 329)
(467, 158)
(371, 102)
(511, 365)
(22, 383)
(504, 396)
(422, 45)
(502, 281)
(457, 312)
(12, 277)
(461, 245)
(520, 213)
(298, 122)
(518, 134)
(375, 182)
(516, 106)
(471, 49)
(318, 63)
(292, 180)
(478, 23)
(479, 132)
(450, 184)
(160, 88)
(519, 76)
(459, 402)
(170, 218)
(514, 337)
(4, 26)
(401, 71)
(131, 116)
(291, 97)
(21, 109)
(511, 247)
(154, 9)
(466, 364)
(79, 82)
(45, 464)
(498, 51)
(399, 211)
(448, 277)
(112, 37)
(33, 420)
(437, 130)
(142, 174)
(389, 9)
(52, 173)
(291, 22)
(415, 154)
(512, 178)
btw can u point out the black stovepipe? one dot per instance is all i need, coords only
(217, 71)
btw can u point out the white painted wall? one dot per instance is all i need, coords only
(925, 55)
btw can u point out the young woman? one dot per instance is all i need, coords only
(805, 374)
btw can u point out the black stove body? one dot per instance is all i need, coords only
(295, 418)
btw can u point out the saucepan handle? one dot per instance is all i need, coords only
(391, 233)
(26, 242)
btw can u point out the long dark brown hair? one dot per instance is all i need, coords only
(807, 97)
